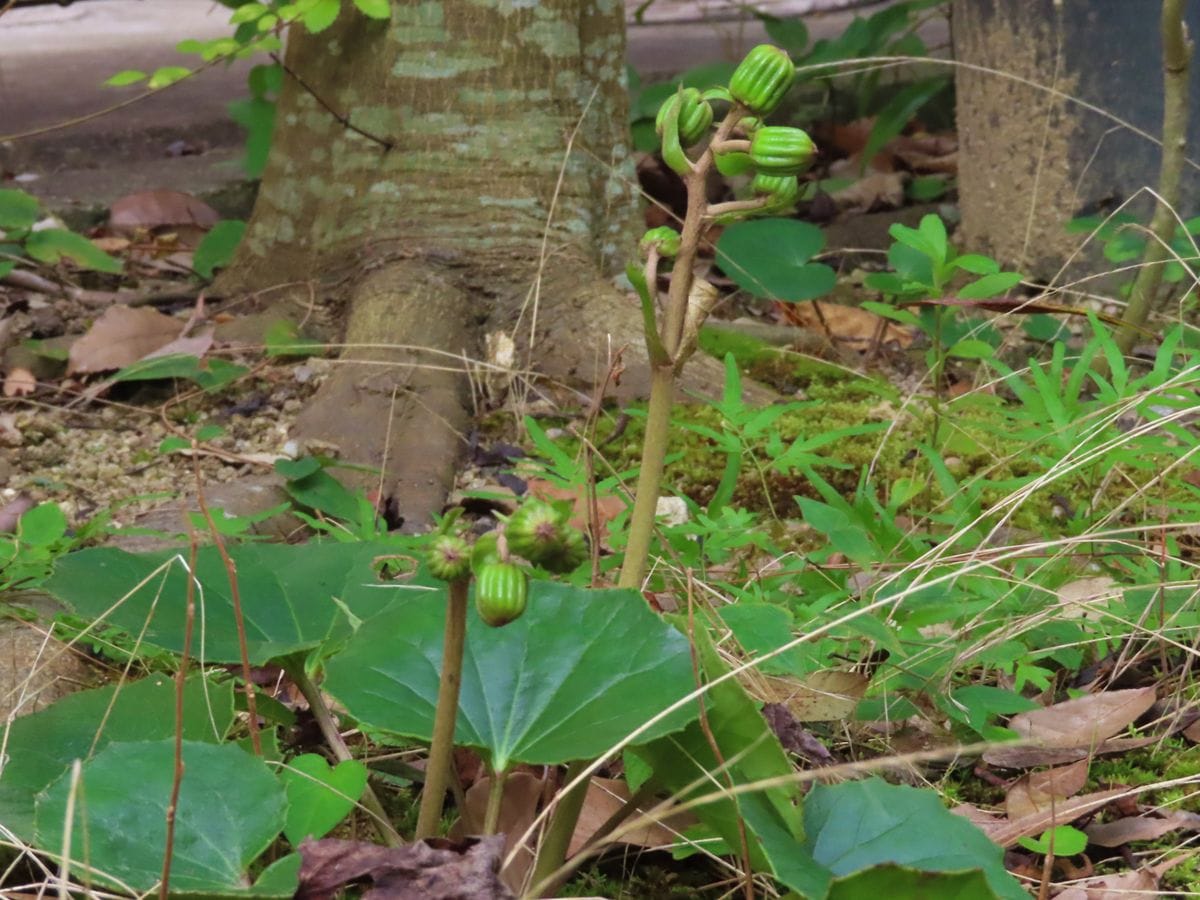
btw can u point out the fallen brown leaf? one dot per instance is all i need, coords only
(1087, 596)
(873, 192)
(607, 795)
(1192, 732)
(1010, 757)
(121, 336)
(979, 817)
(1142, 883)
(192, 345)
(794, 737)
(1084, 722)
(518, 808)
(826, 696)
(19, 382)
(849, 325)
(1037, 792)
(112, 244)
(1008, 832)
(157, 209)
(436, 869)
(1135, 828)
(926, 154)
(11, 512)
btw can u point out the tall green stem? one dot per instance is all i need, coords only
(329, 730)
(553, 850)
(654, 452)
(1177, 53)
(441, 748)
(491, 816)
(662, 378)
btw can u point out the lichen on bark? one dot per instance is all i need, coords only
(495, 159)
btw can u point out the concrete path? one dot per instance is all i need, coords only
(54, 60)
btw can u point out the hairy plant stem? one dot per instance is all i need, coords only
(1177, 53)
(329, 730)
(164, 890)
(441, 748)
(654, 452)
(552, 852)
(495, 799)
(662, 378)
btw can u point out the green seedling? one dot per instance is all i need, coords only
(1062, 840)
(23, 246)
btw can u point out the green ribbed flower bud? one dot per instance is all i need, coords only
(501, 590)
(568, 556)
(666, 237)
(762, 78)
(449, 557)
(783, 190)
(695, 116)
(780, 150)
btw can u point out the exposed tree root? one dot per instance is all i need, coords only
(391, 405)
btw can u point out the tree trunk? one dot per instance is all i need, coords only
(1060, 104)
(461, 169)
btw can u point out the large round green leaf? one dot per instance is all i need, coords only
(41, 746)
(293, 597)
(861, 824)
(580, 670)
(770, 258)
(231, 807)
(898, 883)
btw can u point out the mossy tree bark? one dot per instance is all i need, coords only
(493, 189)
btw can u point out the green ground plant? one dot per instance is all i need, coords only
(920, 539)
(575, 675)
(24, 244)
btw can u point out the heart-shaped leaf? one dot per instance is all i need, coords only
(294, 597)
(231, 807)
(770, 258)
(18, 210)
(857, 825)
(41, 745)
(684, 764)
(898, 883)
(577, 672)
(319, 796)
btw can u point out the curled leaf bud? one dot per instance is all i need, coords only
(780, 150)
(784, 190)
(695, 116)
(733, 162)
(747, 125)
(664, 237)
(486, 550)
(449, 557)
(762, 78)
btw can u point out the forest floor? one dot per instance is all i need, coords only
(855, 399)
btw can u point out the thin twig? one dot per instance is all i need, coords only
(344, 119)
(324, 719)
(706, 728)
(100, 113)
(236, 597)
(180, 683)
